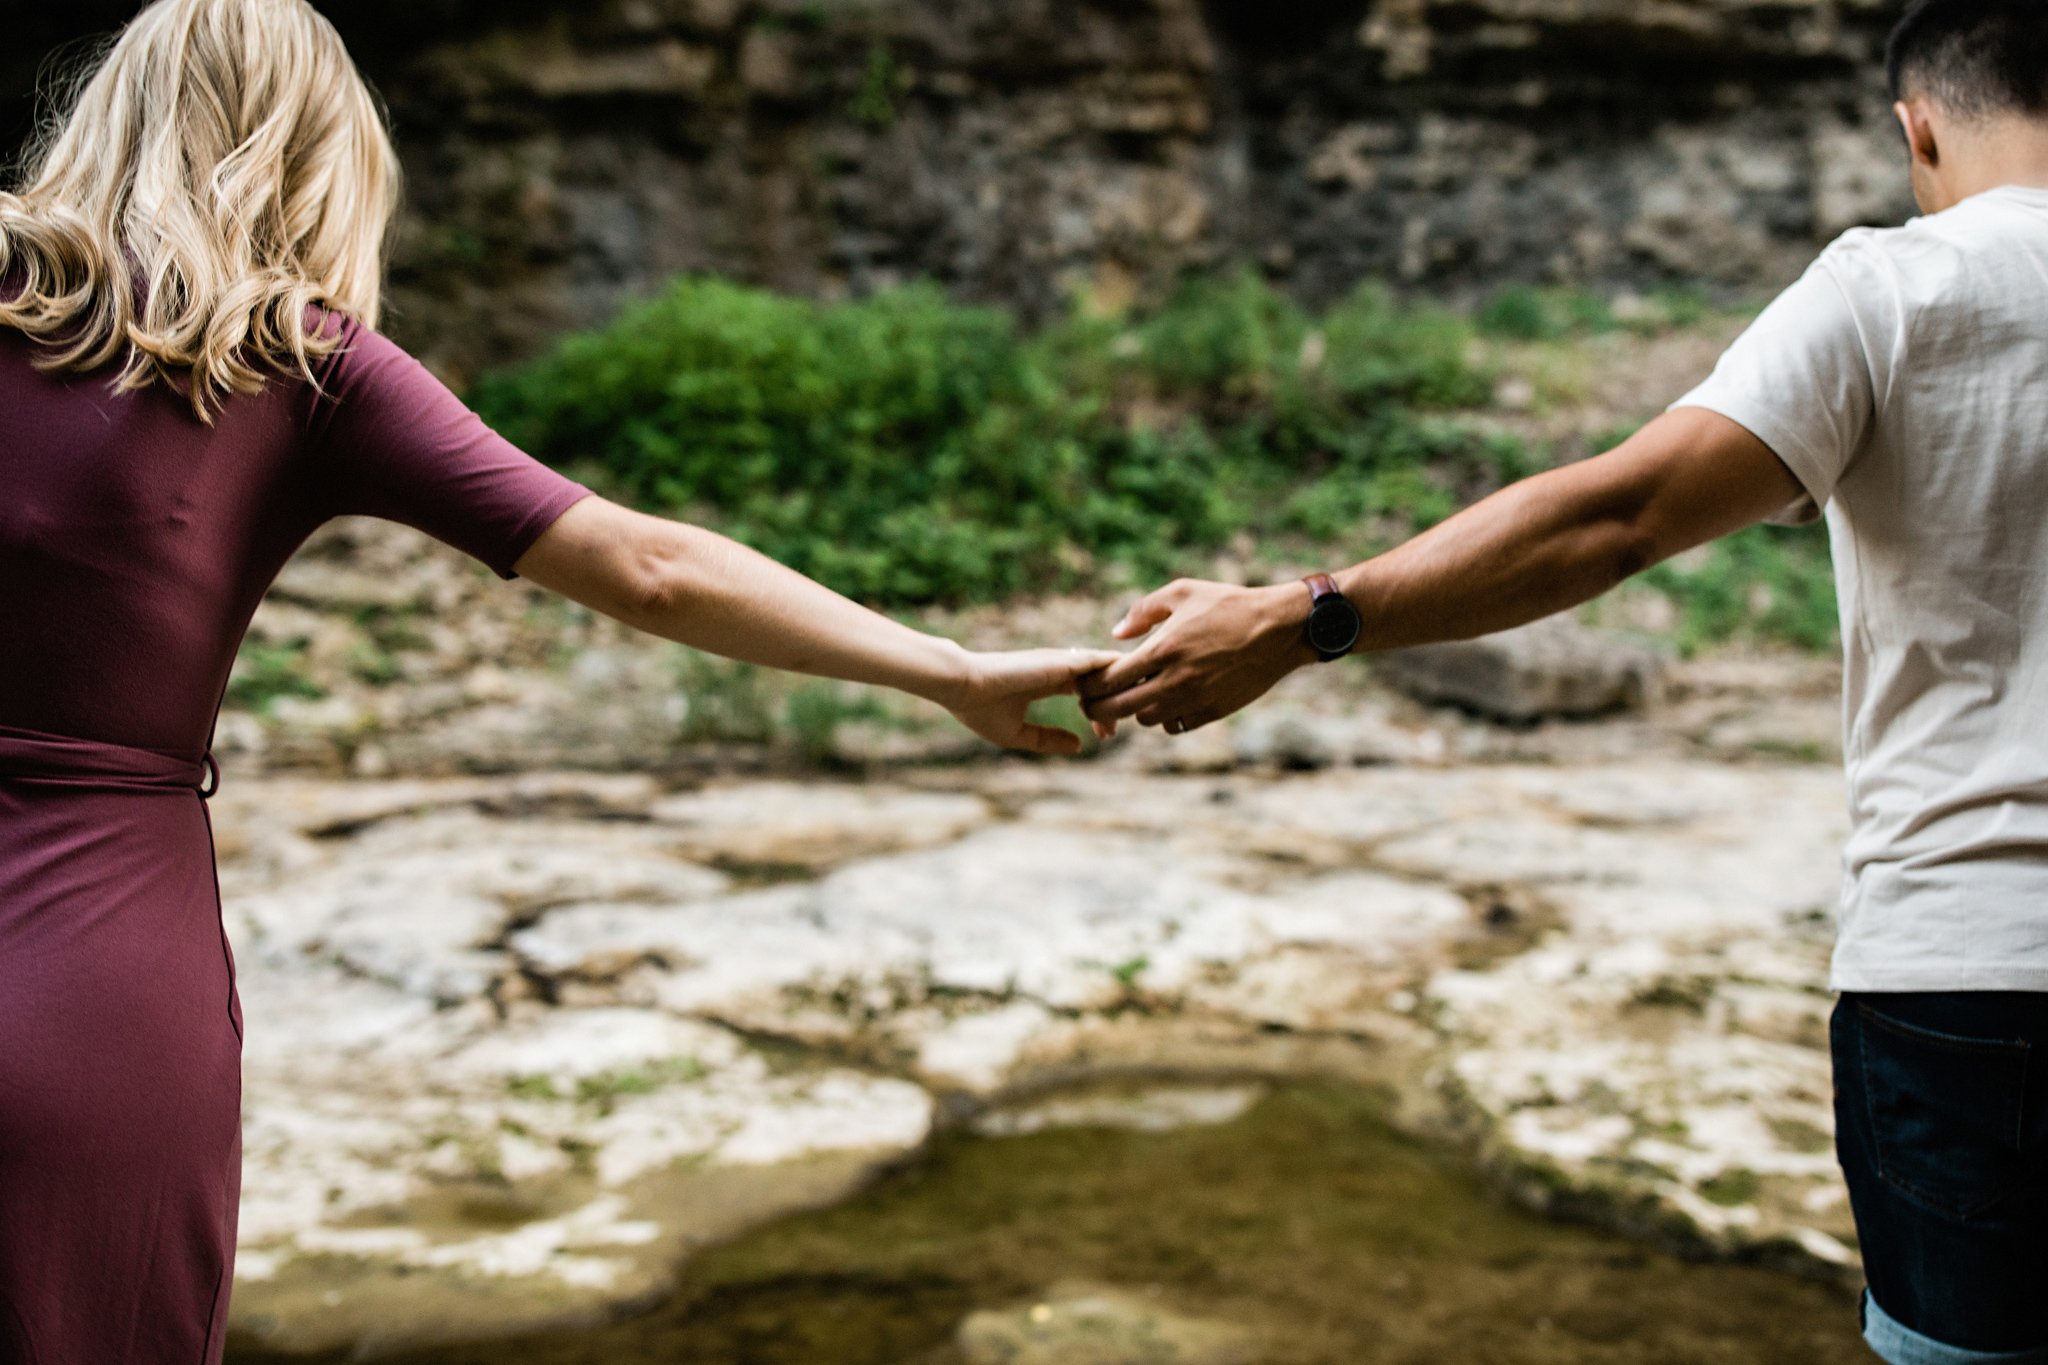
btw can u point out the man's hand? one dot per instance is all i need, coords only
(1218, 649)
(999, 688)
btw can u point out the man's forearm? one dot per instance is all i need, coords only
(1544, 545)
(1559, 539)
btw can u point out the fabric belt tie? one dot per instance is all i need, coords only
(90, 765)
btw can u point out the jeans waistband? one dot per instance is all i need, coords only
(62, 761)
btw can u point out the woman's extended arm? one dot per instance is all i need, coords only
(700, 589)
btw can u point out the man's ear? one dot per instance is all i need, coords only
(1917, 122)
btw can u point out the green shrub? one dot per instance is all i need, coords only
(1766, 583)
(1230, 337)
(265, 672)
(909, 450)
(1520, 312)
(906, 449)
(1376, 351)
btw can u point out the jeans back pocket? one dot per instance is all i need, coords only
(1947, 1114)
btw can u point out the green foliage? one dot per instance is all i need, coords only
(815, 712)
(1377, 351)
(895, 448)
(371, 663)
(1528, 313)
(909, 450)
(1733, 1187)
(1681, 307)
(265, 672)
(1063, 713)
(1768, 583)
(728, 701)
(1229, 337)
(876, 104)
(736, 703)
(604, 1089)
(1520, 313)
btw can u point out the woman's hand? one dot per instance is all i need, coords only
(997, 690)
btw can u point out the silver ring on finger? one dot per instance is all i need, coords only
(1176, 726)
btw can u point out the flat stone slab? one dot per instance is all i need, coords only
(1554, 667)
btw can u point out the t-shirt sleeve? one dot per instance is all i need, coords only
(392, 441)
(1807, 376)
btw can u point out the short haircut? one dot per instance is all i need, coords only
(1973, 57)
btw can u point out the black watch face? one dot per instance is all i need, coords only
(1333, 626)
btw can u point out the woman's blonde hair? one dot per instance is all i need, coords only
(224, 170)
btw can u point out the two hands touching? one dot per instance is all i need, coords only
(1210, 649)
(1213, 649)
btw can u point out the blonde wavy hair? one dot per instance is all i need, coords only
(224, 170)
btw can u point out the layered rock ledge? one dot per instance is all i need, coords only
(517, 1045)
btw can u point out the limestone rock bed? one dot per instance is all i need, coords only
(516, 1045)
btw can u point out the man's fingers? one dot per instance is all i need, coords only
(1125, 704)
(1151, 610)
(1170, 706)
(1068, 666)
(1128, 671)
(1082, 661)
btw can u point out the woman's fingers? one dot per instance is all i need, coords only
(1045, 672)
(1048, 739)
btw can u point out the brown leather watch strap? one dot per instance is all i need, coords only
(1321, 585)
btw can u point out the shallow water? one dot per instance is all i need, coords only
(1306, 1220)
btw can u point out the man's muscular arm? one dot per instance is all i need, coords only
(1537, 547)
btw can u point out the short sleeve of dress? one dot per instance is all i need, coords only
(391, 441)
(1807, 376)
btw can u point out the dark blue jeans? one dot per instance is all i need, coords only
(1941, 1122)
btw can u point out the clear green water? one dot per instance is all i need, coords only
(1308, 1220)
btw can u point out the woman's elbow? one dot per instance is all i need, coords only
(633, 568)
(653, 585)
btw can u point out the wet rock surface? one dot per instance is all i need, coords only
(507, 1037)
(1084, 1325)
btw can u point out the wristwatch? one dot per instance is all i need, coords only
(1334, 624)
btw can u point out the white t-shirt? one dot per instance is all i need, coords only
(1904, 381)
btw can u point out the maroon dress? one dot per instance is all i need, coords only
(135, 544)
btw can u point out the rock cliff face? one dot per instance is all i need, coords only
(565, 157)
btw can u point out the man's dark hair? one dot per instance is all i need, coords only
(1972, 57)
